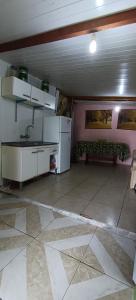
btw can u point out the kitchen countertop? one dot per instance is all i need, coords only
(28, 144)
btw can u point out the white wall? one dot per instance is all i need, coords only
(11, 130)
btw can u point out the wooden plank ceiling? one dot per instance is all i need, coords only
(22, 18)
(78, 29)
(68, 63)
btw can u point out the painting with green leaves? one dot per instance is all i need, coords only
(98, 119)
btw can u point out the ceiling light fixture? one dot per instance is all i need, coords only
(121, 89)
(99, 2)
(93, 45)
(122, 85)
(117, 108)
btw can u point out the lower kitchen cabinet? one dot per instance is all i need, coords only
(20, 164)
(43, 161)
(28, 164)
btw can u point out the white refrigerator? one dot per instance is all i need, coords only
(57, 129)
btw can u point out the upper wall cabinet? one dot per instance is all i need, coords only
(49, 101)
(36, 96)
(17, 89)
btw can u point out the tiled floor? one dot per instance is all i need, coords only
(49, 256)
(100, 192)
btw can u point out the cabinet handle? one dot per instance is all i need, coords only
(35, 99)
(47, 104)
(40, 151)
(34, 152)
(26, 95)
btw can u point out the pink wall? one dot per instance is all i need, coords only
(114, 134)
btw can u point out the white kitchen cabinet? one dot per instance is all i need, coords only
(43, 161)
(15, 88)
(29, 164)
(19, 164)
(23, 163)
(37, 96)
(49, 101)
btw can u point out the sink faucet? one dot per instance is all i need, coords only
(27, 134)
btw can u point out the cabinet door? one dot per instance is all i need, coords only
(21, 89)
(15, 88)
(36, 96)
(43, 160)
(49, 101)
(29, 163)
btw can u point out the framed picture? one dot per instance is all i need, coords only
(98, 119)
(64, 106)
(127, 119)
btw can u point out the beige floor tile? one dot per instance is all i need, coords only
(85, 273)
(74, 180)
(102, 213)
(11, 243)
(62, 242)
(95, 179)
(118, 190)
(38, 272)
(68, 235)
(111, 254)
(126, 294)
(36, 186)
(3, 225)
(63, 188)
(130, 194)
(113, 204)
(130, 201)
(10, 203)
(119, 181)
(111, 198)
(72, 203)
(90, 284)
(84, 192)
(104, 184)
(9, 219)
(30, 220)
(128, 220)
(49, 197)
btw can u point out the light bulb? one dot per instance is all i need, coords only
(121, 89)
(99, 2)
(117, 108)
(93, 45)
